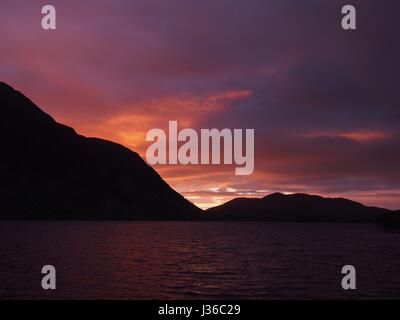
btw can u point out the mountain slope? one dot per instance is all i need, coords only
(48, 171)
(296, 208)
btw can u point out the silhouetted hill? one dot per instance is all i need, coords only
(48, 171)
(296, 208)
(392, 220)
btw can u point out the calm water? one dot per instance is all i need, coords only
(210, 260)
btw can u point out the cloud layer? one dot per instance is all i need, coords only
(324, 102)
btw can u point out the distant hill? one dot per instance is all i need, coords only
(48, 171)
(297, 208)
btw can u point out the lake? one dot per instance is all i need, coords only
(197, 260)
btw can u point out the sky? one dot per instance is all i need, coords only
(324, 102)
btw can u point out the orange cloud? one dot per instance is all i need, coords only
(129, 128)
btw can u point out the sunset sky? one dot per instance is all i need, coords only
(324, 102)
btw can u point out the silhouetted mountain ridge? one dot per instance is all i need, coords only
(297, 208)
(48, 171)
